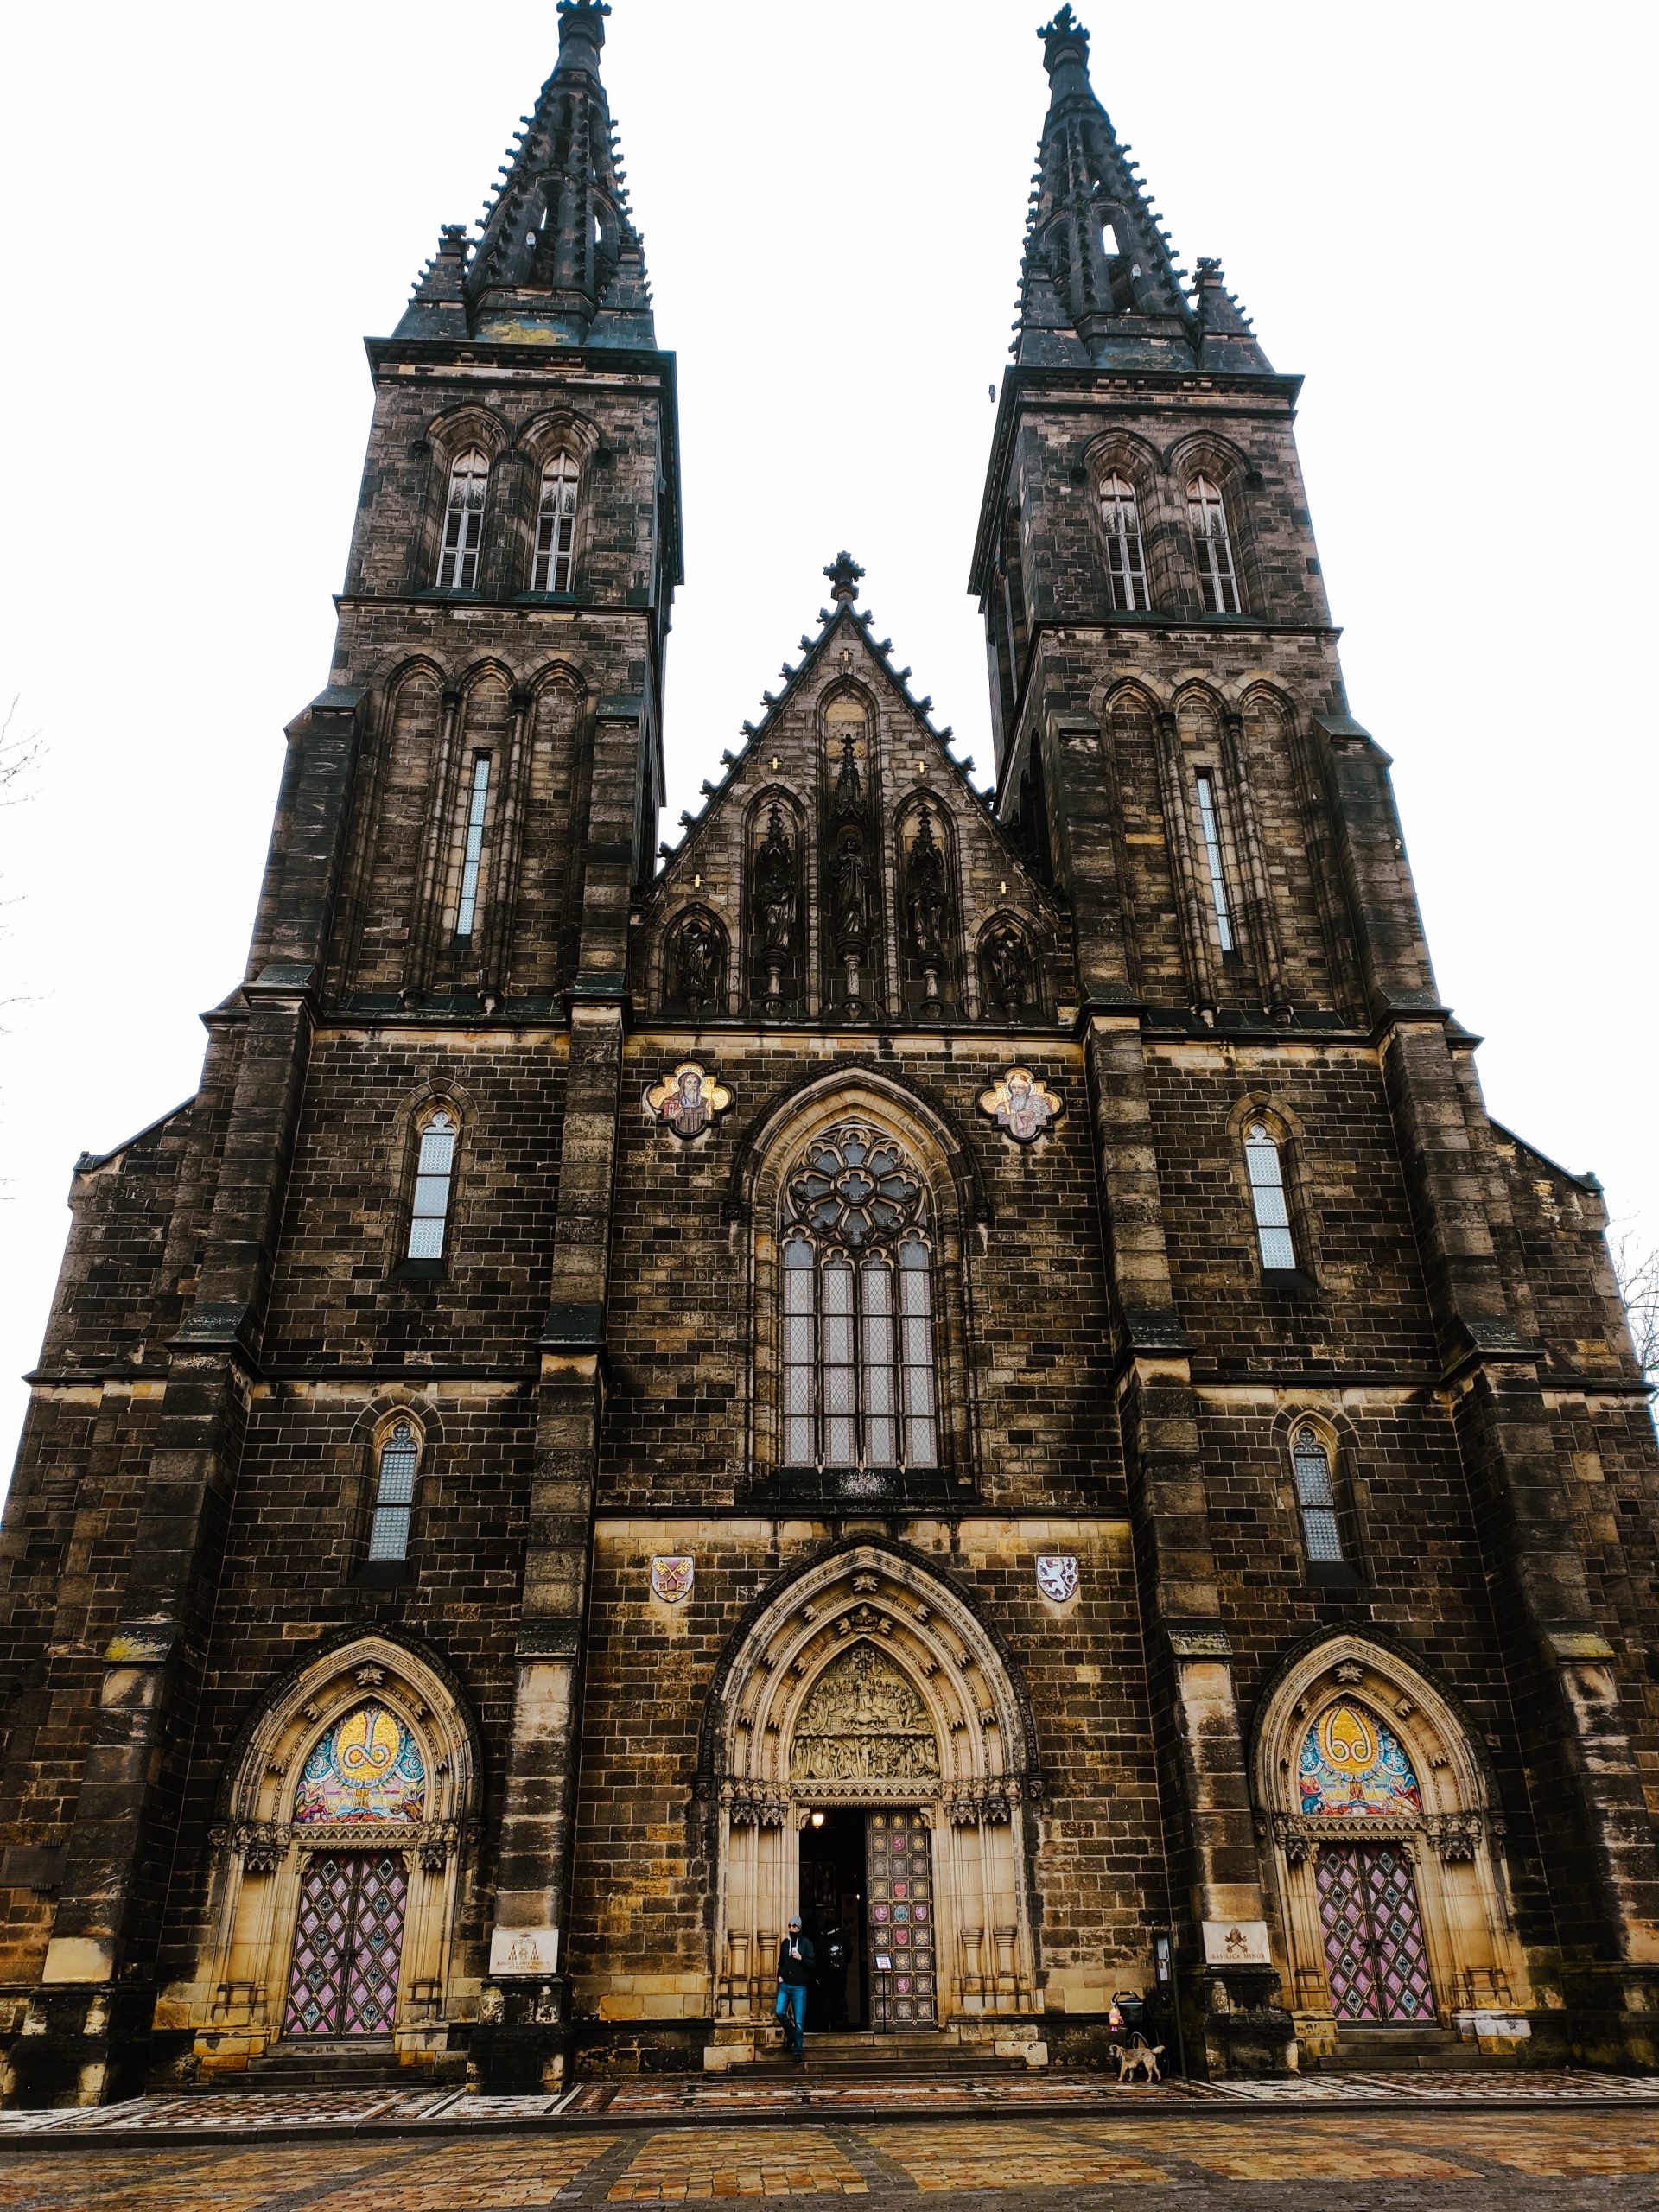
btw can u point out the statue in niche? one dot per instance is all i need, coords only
(849, 785)
(852, 893)
(863, 1721)
(926, 893)
(697, 962)
(775, 888)
(1006, 967)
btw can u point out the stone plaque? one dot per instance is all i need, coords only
(523, 1951)
(1236, 1943)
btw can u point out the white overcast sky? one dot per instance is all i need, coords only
(1440, 214)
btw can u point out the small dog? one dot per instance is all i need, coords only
(1139, 2058)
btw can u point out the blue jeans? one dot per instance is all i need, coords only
(791, 2011)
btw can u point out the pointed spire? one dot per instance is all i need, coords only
(439, 307)
(1099, 283)
(560, 257)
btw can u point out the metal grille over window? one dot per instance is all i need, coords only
(555, 527)
(1267, 1173)
(1217, 579)
(463, 522)
(433, 1180)
(858, 1371)
(472, 857)
(394, 1499)
(1317, 1497)
(1211, 825)
(1126, 565)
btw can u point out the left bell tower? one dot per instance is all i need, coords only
(434, 994)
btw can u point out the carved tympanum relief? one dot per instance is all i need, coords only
(863, 1721)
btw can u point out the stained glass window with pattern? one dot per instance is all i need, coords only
(857, 1365)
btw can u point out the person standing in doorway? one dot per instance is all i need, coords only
(796, 1959)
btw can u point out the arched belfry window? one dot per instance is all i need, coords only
(1126, 560)
(1212, 545)
(394, 1493)
(1316, 1498)
(556, 526)
(858, 1363)
(463, 522)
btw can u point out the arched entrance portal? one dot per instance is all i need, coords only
(872, 1767)
(1387, 1874)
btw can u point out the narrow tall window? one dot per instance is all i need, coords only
(1267, 1172)
(555, 527)
(858, 1365)
(1210, 820)
(1316, 1499)
(1217, 579)
(434, 1174)
(471, 851)
(394, 1497)
(1126, 565)
(463, 522)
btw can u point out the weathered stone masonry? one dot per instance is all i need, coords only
(542, 1516)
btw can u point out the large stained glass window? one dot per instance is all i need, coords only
(1352, 1766)
(368, 1767)
(858, 1355)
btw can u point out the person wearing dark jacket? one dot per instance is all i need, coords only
(796, 1959)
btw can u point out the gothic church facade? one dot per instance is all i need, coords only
(975, 1367)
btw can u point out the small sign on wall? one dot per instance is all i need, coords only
(1236, 1943)
(524, 1950)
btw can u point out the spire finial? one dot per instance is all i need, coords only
(581, 25)
(1064, 39)
(844, 574)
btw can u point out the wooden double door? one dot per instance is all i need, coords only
(1376, 1957)
(348, 1944)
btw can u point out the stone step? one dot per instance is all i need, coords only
(1385, 2050)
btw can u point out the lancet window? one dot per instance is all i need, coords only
(860, 1387)
(472, 850)
(434, 1176)
(556, 526)
(463, 522)
(394, 1494)
(1215, 860)
(1264, 1164)
(1213, 545)
(1316, 1498)
(1126, 563)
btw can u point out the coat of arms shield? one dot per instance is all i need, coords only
(1056, 1576)
(671, 1578)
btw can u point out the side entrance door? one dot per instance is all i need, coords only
(1375, 1955)
(348, 1945)
(902, 1959)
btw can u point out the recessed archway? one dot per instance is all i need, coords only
(1385, 1872)
(868, 1691)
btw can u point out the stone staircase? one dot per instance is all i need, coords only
(1388, 2050)
(301, 2069)
(859, 2055)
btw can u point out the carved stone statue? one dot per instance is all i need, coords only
(697, 962)
(849, 785)
(1006, 967)
(852, 893)
(775, 888)
(863, 1721)
(925, 896)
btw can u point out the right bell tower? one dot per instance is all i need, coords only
(1263, 1040)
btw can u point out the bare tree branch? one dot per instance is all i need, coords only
(1636, 1262)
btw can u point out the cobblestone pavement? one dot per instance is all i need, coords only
(1538, 2159)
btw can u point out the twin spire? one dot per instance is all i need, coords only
(560, 261)
(1099, 285)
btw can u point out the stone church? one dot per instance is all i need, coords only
(970, 1365)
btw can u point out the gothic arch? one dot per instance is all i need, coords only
(907, 839)
(1435, 1829)
(670, 991)
(797, 964)
(559, 429)
(1007, 928)
(939, 1155)
(272, 1839)
(865, 1681)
